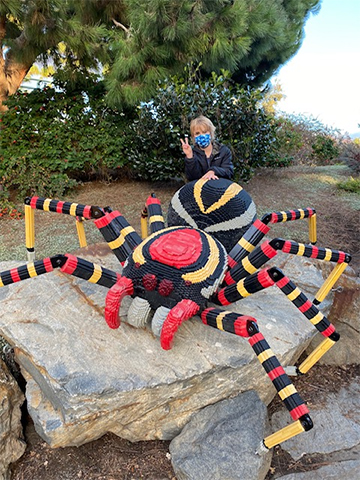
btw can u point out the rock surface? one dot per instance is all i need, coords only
(12, 444)
(220, 442)
(334, 441)
(84, 380)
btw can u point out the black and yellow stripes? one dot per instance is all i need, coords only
(284, 387)
(305, 306)
(24, 272)
(67, 208)
(310, 251)
(119, 234)
(89, 271)
(241, 325)
(245, 287)
(290, 215)
(248, 242)
(155, 216)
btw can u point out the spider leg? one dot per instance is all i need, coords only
(266, 278)
(260, 228)
(68, 264)
(182, 311)
(155, 216)
(247, 327)
(119, 234)
(123, 287)
(268, 249)
(79, 211)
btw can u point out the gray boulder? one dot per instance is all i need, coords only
(84, 380)
(220, 442)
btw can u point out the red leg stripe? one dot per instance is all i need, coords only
(287, 247)
(70, 264)
(152, 200)
(256, 338)
(15, 275)
(284, 281)
(228, 279)
(261, 226)
(47, 264)
(231, 262)
(222, 298)
(268, 250)
(293, 214)
(305, 307)
(299, 411)
(277, 372)
(240, 325)
(315, 252)
(106, 219)
(329, 331)
(33, 202)
(341, 257)
(59, 206)
(264, 279)
(87, 211)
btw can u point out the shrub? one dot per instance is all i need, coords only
(350, 154)
(240, 123)
(350, 185)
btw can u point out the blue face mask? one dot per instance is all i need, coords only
(203, 140)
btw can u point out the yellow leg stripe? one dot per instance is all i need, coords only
(219, 320)
(287, 391)
(241, 289)
(265, 355)
(125, 231)
(46, 204)
(1, 283)
(330, 281)
(294, 294)
(248, 266)
(301, 249)
(314, 356)
(31, 269)
(116, 243)
(284, 216)
(144, 230)
(246, 245)
(96, 275)
(73, 209)
(302, 214)
(29, 227)
(284, 434)
(312, 228)
(156, 218)
(327, 254)
(318, 317)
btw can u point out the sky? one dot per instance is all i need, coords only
(323, 79)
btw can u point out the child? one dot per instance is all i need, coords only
(207, 159)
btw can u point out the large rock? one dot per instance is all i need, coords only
(84, 380)
(12, 444)
(345, 315)
(220, 442)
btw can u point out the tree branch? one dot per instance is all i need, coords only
(118, 24)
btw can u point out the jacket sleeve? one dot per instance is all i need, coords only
(193, 170)
(226, 168)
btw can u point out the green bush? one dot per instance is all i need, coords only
(350, 185)
(240, 123)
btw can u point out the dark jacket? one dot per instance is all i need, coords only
(219, 162)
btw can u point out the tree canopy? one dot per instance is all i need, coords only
(135, 44)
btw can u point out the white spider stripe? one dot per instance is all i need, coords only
(237, 222)
(231, 192)
(180, 210)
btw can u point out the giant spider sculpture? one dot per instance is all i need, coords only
(209, 256)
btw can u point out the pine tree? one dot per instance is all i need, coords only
(136, 43)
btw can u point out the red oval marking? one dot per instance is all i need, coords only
(178, 248)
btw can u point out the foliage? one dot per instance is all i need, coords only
(350, 185)
(350, 154)
(306, 140)
(51, 139)
(240, 123)
(136, 44)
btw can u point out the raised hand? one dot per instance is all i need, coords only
(186, 147)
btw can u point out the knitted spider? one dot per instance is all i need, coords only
(180, 271)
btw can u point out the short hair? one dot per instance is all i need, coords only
(204, 123)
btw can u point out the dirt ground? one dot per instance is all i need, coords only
(110, 457)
